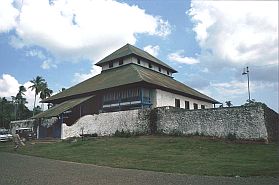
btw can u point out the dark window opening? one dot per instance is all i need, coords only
(121, 62)
(138, 61)
(168, 72)
(202, 106)
(110, 64)
(150, 65)
(187, 105)
(159, 69)
(177, 103)
(195, 106)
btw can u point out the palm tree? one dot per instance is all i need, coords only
(20, 100)
(37, 86)
(21, 90)
(229, 103)
(45, 92)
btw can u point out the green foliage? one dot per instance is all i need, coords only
(122, 133)
(229, 103)
(231, 137)
(175, 133)
(13, 110)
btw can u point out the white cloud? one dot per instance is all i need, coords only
(16, 42)
(8, 15)
(205, 70)
(78, 77)
(9, 87)
(47, 64)
(36, 53)
(236, 33)
(84, 29)
(30, 96)
(232, 88)
(153, 50)
(178, 57)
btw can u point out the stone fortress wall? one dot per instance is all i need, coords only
(254, 122)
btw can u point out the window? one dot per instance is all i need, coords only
(202, 106)
(150, 65)
(187, 105)
(121, 62)
(138, 61)
(110, 64)
(159, 69)
(195, 106)
(168, 72)
(177, 103)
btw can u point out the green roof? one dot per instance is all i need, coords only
(60, 108)
(124, 75)
(128, 50)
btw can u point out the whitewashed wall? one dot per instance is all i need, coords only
(134, 60)
(106, 124)
(164, 98)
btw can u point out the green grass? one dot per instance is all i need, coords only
(167, 154)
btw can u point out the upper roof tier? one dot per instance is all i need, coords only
(129, 50)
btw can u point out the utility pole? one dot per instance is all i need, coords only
(246, 72)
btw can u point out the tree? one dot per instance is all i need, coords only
(63, 89)
(45, 92)
(20, 110)
(37, 86)
(229, 103)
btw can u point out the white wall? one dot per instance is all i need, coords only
(106, 124)
(116, 63)
(134, 60)
(164, 98)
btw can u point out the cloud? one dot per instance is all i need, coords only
(178, 57)
(36, 53)
(79, 77)
(9, 87)
(83, 29)
(236, 34)
(30, 96)
(153, 50)
(47, 64)
(8, 15)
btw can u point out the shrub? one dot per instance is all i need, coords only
(231, 137)
(122, 133)
(175, 133)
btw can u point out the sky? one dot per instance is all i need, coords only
(207, 42)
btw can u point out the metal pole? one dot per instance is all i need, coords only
(248, 84)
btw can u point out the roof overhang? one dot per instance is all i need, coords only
(60, 108)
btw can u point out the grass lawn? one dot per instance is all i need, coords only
(162, 153)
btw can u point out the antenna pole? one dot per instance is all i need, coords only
(248, 85)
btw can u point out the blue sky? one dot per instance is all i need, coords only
(208, 42)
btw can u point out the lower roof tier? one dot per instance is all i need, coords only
(129, 74)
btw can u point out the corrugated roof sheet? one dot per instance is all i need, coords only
(124, 75)
(62, 107)
(129, 50)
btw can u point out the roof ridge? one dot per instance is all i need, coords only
(134, 66)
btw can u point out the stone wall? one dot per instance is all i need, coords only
(256, 122)
(246, 122)
(271, 123)
(106, 124)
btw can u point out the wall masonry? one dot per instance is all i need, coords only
(255, 122)
(105, 124)
(244, 122)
